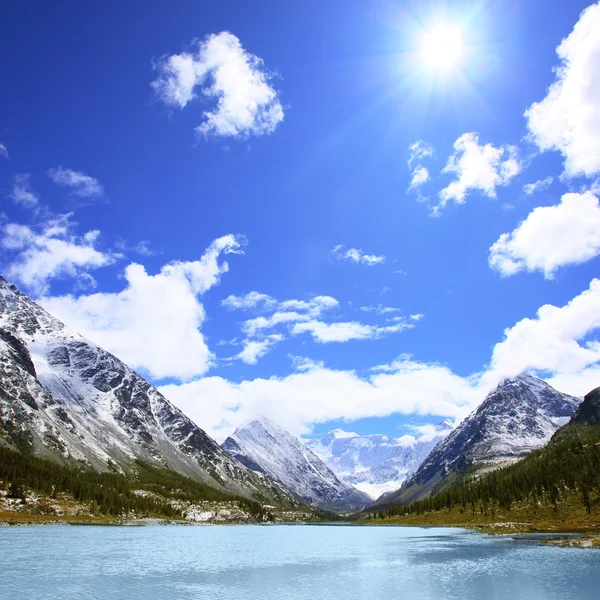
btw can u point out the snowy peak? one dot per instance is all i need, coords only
(65, 397)
(376, 463)
(265, 447)
(516, 418)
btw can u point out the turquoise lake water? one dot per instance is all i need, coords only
(286, 563)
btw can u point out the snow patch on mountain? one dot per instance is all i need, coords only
(63, 396)
(516, 418)
(376, 464)
(267, 448)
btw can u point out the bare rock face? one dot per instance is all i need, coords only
(66, 398)
(516, 418)
(266, 448)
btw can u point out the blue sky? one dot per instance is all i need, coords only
(278, 136)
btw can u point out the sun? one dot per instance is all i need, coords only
(442, 47)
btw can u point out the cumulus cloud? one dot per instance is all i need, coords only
(551, 237)
(22, 193)
(36, 256)
(478, 167)
(315, 394)
(3, 151)
(568, 118)
(340, 252)
(79, 183)
(537, 186)
(220, 69)
(161, 338)
(551, 343)
(554, 344)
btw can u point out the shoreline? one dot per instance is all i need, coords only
(564, 536)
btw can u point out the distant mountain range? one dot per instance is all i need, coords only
(374, 464)
(63, 397)
(265, 447)
(519, 416)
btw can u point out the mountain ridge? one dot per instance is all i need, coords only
(263, 446)
(519, 416)
(65, 398)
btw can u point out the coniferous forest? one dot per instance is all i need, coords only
(111, 493)
(563, 474)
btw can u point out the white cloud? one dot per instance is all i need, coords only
(3, 151)
(220, 68)
(248, 301)
(36, 257)
(254, 326)
(255, 349)
(80, 184)
(153, 324)
(551, 237)
(553, 344)
(478, 167)
(344, 331)
(358, 256)
(22, 193)
(420, 176)
(568, 118)
(537, 186)
(418, 151)
(316, 394)
(380, 309)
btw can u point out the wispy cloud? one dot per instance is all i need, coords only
(537, 186)
(78, 183)
(3, 151)
(22, 193)
(340, 252)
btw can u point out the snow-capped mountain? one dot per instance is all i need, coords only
(516, 418)
(375, 464)
(63, 396)
(265, 447)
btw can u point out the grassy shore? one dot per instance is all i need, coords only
(568, 516)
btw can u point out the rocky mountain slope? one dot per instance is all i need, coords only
(374, 464)
(265, 447)
(519, 416)
(64, 397)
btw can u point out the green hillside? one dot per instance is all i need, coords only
(556, 486)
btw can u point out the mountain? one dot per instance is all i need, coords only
(65, 398)
(519, 416)
(374, 464)
(585, 420)
(265, 447)
(556, 487)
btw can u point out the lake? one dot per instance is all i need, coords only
(286, 563)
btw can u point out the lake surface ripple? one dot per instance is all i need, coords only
(286, 563)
